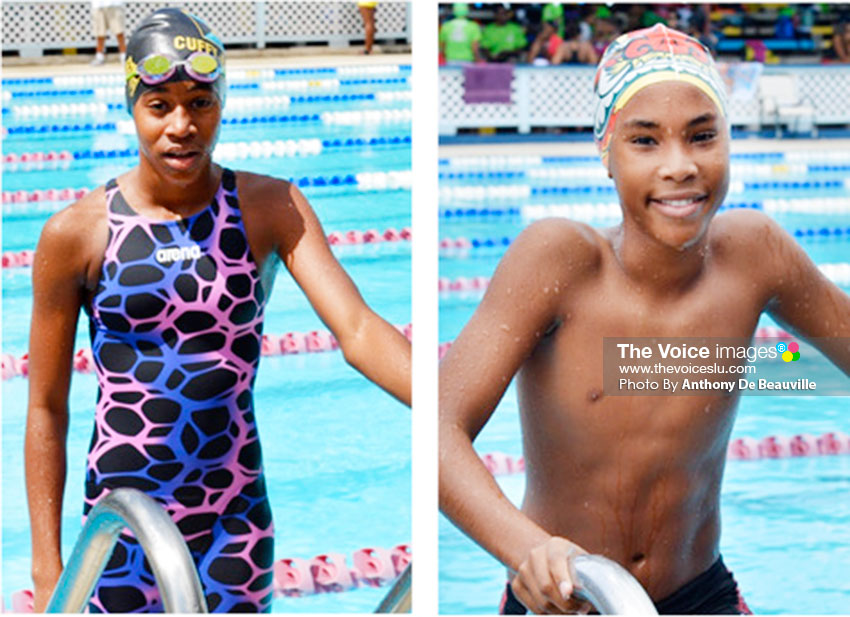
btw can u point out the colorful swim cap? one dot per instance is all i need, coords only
(644, 57)
(176, 45)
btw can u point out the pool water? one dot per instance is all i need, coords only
(786, 523)
(336, 449)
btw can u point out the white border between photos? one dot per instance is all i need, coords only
(424, 309)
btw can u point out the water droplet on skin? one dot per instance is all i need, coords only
(546, 290)
(508, 291)
(505, 327)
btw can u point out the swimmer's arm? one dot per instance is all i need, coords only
(523, 299)
(369, 343)
(805, 300)
(840, 50)
(57, 297)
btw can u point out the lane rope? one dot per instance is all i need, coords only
(363, 181)
(22, 259)
(289, 343)
(295, 577)
(833, 443)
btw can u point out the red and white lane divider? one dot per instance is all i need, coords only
(370, 236)
(373, 567)
(764, 332)
(38, 195)
(20, 259)
(742, 449)
(37, 160)
(289, 343)
(295, 577)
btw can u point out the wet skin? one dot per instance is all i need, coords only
(177, 126)
(634, 478)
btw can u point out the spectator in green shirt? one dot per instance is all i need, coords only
(503, 39)
(459, 37)
(554, 13)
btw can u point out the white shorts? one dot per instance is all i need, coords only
(111, 15)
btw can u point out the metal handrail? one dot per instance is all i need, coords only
(160, 539)
(398, 598)
(610, 588)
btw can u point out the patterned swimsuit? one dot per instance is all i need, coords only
(175, 324)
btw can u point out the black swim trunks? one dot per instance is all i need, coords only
(714, 592)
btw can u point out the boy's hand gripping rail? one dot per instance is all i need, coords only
(610, 588)
(161, 541)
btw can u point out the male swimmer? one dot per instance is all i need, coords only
(636, 479)
(173, 262)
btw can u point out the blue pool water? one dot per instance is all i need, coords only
(336, 448)
(786, 523)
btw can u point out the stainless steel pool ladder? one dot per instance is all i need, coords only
(610, 588)
(160, 539)
(398, 598)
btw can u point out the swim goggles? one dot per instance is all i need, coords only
(158, 68)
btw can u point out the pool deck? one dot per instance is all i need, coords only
(293, 57)
(586, 148)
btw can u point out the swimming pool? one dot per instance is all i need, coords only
(785, 522)
(336, 448)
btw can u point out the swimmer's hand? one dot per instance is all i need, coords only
(545, 581)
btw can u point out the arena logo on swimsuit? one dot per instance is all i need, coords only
(175, 253)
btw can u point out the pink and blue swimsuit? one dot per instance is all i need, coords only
(176, 324)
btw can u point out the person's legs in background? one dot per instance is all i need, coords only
(367, 12)
(109, 19)
(99, 22)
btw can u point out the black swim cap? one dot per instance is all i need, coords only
(176, 34)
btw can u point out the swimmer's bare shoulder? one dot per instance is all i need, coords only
(751, 245)
(275, 212)
(66, 271)
(73, 241)
(530, 291)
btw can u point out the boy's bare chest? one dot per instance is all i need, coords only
(570, 359)
(715, 307)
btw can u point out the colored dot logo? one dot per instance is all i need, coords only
(790, 352)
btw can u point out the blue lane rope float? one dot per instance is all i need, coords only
(771, 158)
(609, 210)
(271, 119)
(577, 172)
(373, 69)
